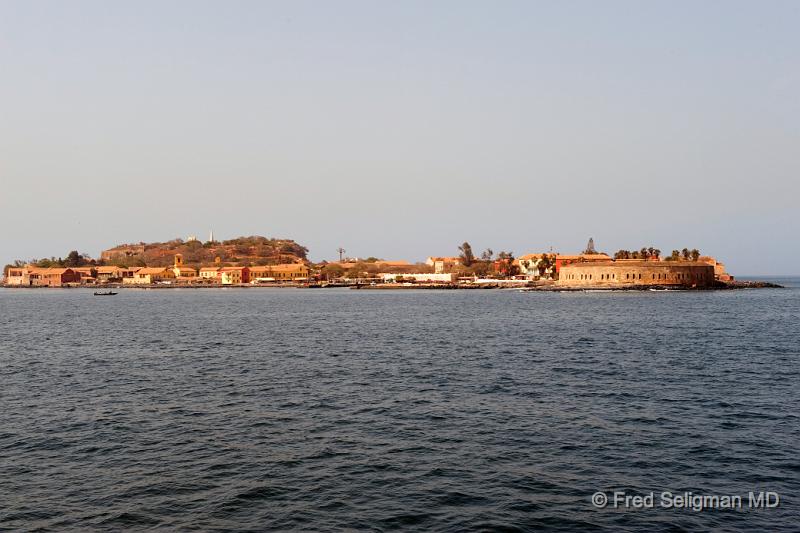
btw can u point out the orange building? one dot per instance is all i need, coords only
(49, 277)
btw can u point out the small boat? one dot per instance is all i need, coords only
(107, 293)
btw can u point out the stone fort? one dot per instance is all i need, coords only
(637, 273)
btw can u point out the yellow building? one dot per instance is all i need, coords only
(209, 272)
(232, 275)
(182, 271)
(107, 273)
(285, 272)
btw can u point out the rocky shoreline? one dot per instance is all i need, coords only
(526, 287)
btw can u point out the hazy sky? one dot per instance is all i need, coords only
(401, 129)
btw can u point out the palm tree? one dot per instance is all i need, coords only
(466, 254)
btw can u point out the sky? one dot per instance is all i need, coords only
(401, 129)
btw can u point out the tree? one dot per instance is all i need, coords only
(686, 254)
(643, 253)
(546, 264)
(695, 253)
(74, 259)
(675, 256)
(466, 254)
(332, 271)
(487, 254)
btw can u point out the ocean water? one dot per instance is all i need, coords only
(333, 409)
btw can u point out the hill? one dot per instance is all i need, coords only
(242, 251)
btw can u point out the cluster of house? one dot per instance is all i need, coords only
(530, 267)
(587, 269)
(31, 276)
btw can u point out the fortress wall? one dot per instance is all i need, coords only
(644, 273)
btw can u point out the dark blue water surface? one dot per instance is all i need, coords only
(332, 409)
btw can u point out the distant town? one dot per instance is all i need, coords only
(260, 261)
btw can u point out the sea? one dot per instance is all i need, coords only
(409, 410)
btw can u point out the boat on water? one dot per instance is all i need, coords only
(107, 293)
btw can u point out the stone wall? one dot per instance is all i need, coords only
(637, 274)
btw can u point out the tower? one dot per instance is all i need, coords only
(178, 260)
(211, 236)
(590, 247)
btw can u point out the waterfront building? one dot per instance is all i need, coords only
(182, 271)
(16, 276)
(149, 275)
(234, 275)
(209, 272)
(719, 269)
(41, 277)
(87, 274)
(528, 265)
(419, 278)
(108, 273)
(284, 272)
(128, 272)
(633, 273)
(443, 264)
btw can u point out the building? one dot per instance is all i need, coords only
(41, 277)
(16, 276)
(419, 278)
(107, 274)
(719, 269)
(443, 264)
(122, 251)
(234, 275)
(150, 275)
(130, 272)
(209, 272)
(636, 273)
(182, 271)
(562, 260)
(87, 274)
(285, 272)
(529, 266)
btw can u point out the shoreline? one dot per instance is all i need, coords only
(521, 287)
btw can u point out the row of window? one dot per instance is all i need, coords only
(634, 276)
